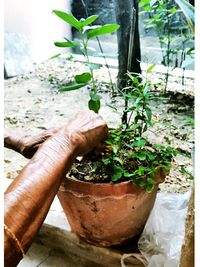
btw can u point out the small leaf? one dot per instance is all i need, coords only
(106, 161)
(83, 78)
(114, 149)
(94, 105)
(111, 106)
(149, 113)
(141, 182)
(72, 86)
(101, 30)
(149, 188)
(89, 20)
(69, 18)
(118, 171)
(141, 156)
(137, 101)
(139, 143)
(151, 156)
(127, 174)
(118, 160)
(150, 68)
(55, 56)
(146, 90)
(150, 181)
(66, 44)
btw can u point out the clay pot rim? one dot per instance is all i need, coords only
(161, 174)
(109, 188)
(99, 190)
(94, 183)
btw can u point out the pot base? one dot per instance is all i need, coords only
(105, 214)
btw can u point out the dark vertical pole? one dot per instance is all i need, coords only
(123, 17)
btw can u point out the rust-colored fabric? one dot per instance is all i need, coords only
(28, 199)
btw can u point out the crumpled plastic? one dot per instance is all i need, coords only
(162, 238)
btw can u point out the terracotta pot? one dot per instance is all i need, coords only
(107, 214)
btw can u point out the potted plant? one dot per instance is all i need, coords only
(108, 195)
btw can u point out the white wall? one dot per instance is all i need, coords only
(35, 20)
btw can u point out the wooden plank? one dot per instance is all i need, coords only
(69, 243)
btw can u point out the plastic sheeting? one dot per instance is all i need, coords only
(161, 240)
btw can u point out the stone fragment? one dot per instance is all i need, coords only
(17, 58)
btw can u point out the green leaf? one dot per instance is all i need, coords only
(101, 30)
(184, 171)
(151, 156)
(141, 156)
(141, 182)
(72, 86)
(149, 188)
(149, 113)
(94, 105)
(106, 161)
(188, 11)
(118, 171)
(150, 68)
(89, 20)
(146, 90)
(118, 160)
(111, 106)
(83, 78)
(55, 56)
(150, 181)
(114, 149)
(127, 174)
(69, 18)
(139, 143)
(66, 44)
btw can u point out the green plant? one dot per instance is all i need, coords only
(127, 154)
(136, 99)
(86, 32)
(135, 159)
(166, 19)
(132, 156)
(184, 171)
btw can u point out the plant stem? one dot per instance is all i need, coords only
(88, 60)
(109, 74)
